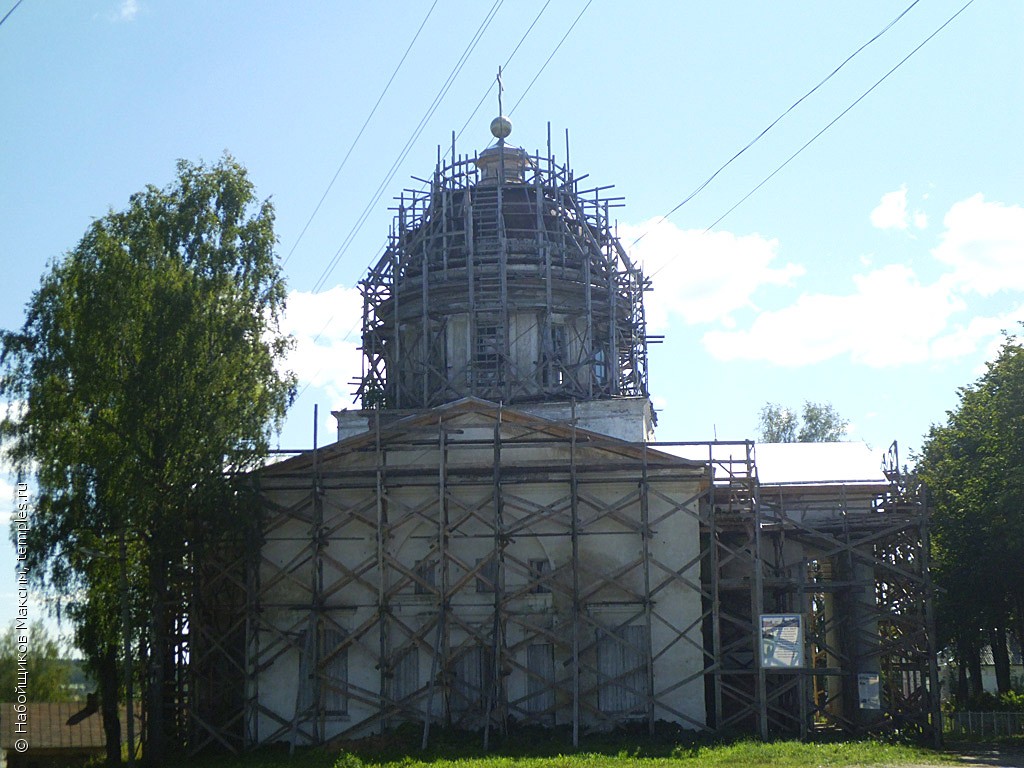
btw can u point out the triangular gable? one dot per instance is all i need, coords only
(475, 413)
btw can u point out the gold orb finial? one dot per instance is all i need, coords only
(501, 127)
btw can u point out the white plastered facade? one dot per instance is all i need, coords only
(482, 566)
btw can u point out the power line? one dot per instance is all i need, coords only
(13, 7)
(539, 72)
(548, 61)
(838, 117)
(359, 135)
(771, 125)
(409, 144)
(504, 66)
(479, 104)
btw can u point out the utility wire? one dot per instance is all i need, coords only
(539, 72)
(724, 215)
(13, 7)
(548, 61)
(358, 135)
(835, 120)
(797, 103)
(465, 125)
(504, 66)
(408, 145)
(493, 82)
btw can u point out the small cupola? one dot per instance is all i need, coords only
(502, 163)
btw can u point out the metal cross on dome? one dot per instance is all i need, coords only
(501, 89)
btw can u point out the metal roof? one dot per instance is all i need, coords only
(847, 463)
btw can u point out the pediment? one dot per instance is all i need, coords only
(467, 430)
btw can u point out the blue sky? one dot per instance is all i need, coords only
(875, 270)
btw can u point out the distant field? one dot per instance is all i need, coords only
(786, 754)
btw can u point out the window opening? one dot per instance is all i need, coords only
(335, 673)
(539, 569)
(487, 574)
(426, 577)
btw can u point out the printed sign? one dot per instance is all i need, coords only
(868, 690)
(782, 640)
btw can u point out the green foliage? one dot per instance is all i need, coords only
(348, 760)
(372, 394)
(817, 423)
(821, 424)
(146, 375)
(1011, 701)
(49, 669)
(973, 466)
(623, 753)
(777, 424)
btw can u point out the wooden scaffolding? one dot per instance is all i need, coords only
(403, 551)
(503, 280)
(859, 576)
(475, 632)
(567, 629)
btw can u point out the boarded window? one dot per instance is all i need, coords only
(426, 577)
(471, 681)
(437, 356)
(540, 680)
(621, 669)
(539, 570)
(306, 694)
(335, 673)
(405, 679)
(487, 574)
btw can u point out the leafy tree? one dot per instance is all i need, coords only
(974, 468)
(817, 423)
(778, 424)
(821, 424)
(49, 669)
(147, 375)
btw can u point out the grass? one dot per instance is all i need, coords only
(547, 750)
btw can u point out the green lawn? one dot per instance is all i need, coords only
(782, 754)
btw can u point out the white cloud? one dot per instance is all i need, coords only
(886, 318)
(980, 332)
(700, 276)
(891, 211)
(984, 245)
(861, 324)
(127, 11)
(326, 327)
(889, 317)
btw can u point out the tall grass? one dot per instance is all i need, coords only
(636, 753)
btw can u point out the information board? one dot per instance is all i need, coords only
(868, 691)
(782, 640)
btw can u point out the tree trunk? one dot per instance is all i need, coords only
(963, 692)
(1018, 622)
(973, 654)
(1000, 659)
(155, 732)
(109, 682)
